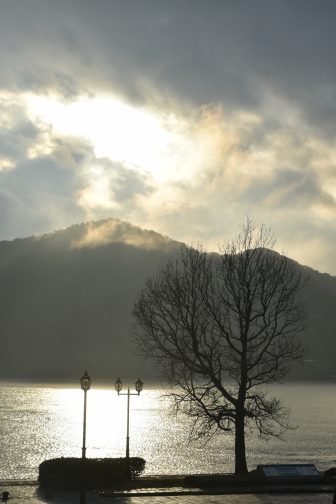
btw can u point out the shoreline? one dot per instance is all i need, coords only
(200, 484)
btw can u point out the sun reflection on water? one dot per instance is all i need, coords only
(48, 423)
(39, 423)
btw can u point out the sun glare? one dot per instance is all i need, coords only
(140, 139)
(106, 420)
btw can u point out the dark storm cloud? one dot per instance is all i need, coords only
(223, 51)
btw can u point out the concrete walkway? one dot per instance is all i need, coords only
(33, 495)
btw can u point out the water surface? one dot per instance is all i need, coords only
(42, 422)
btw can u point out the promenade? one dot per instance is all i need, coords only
(32, 494)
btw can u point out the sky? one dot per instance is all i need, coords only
(181, 116)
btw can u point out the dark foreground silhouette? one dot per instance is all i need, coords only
(72, 473)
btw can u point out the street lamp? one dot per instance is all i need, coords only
(138, 388)
(85, 383)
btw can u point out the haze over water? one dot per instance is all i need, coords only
(43, 422)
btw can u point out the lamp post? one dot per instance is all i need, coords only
(138, 388)
(85, 383)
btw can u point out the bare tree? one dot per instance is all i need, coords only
(220, 326)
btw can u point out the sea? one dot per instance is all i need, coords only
(40, 422)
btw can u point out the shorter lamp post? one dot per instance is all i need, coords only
(138, 388)
(85, 383)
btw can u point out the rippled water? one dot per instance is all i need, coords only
(38, 423)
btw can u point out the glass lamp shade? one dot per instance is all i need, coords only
(118, 385)
(85, 381)
(138, 386)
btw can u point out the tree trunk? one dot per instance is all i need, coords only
(240, 452)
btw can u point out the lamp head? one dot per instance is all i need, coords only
(118, 385)
(85, 381)
(138, 386)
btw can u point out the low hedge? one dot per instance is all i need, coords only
(251, 479)
(68, 473)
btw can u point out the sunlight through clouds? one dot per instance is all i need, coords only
(6, 164)
(97, 193)
(176, 170)
(137, 138)
(126, 112)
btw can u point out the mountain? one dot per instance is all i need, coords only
(66, 300)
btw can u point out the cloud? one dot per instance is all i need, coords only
(109, 186)
(243, 94)
(17, 132)
(38, 185)
(224, 166)
(236, 53)
(115, 231)
(284, 176)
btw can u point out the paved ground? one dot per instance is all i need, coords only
(32, 495)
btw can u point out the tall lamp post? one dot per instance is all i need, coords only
(138, 388)
(85, 383)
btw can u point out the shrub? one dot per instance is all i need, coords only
(68, 473)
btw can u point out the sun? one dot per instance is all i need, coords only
(143, 139)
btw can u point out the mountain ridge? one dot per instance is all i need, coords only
(67, 297)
